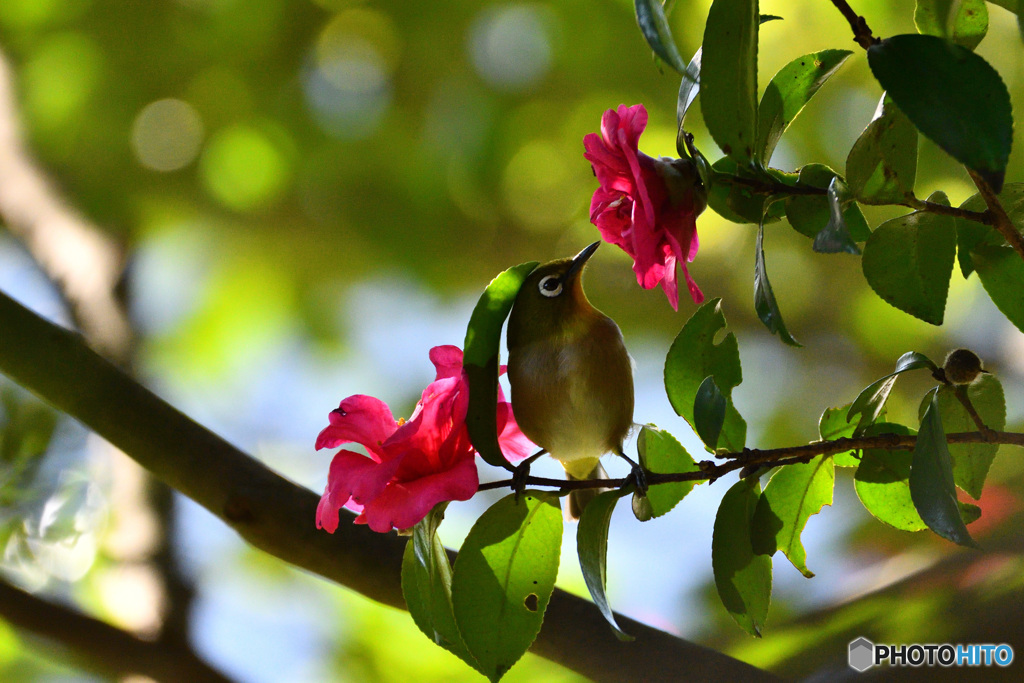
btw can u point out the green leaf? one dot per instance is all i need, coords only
(952, 95)
(835, 237)
(729, 77)
(810, 214)
(971, 461)
(931, 479)
(689, 88)
(650, 17)
(709, 412)
(764, 299)
(480, 360)
(1001, 271)
(882, 166)
(908, 261)
(787, 93)
(661, 453)
(793, 494)
(592, 547)
(504, 576)
(427, 586)
(743, 577)
(966, 27)
(833, 425)
(694, 356)
(969, 513)
(871, 401)
(882, 482)
(970, 234)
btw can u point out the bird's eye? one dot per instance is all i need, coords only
(550, 286)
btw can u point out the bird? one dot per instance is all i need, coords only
(570, 374)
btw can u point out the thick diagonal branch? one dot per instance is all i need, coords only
(277, 516)
(101, 647)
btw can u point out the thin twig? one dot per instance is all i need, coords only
(1000, 220)
(983, 217)
(709, 470)
(861, 32)
(961, 394)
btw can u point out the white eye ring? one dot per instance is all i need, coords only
(546, 282)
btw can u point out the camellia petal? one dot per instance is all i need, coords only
(360, 419)
(645, 206)
(403, 504)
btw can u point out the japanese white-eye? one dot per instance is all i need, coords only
(571, 377)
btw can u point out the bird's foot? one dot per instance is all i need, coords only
(637, 473)
(521, 472)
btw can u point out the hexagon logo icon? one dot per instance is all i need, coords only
(862, 654)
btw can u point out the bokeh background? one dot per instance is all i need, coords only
(309, 195)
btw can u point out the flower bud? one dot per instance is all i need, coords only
(962, 366)
(642, 508)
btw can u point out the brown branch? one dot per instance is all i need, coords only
(773, 457)
(861, 32)
(983, 217)
(1000, 220)
(101, 647)
(277, 516)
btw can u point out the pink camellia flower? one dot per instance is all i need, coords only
(646, 206)
(413, 464)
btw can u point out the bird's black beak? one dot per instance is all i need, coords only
(579, 260)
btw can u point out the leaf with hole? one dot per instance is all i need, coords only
(480, 360)
(504, 576)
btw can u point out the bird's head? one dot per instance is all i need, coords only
(551, 300)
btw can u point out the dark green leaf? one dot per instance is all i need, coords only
(427, 586)
(592, 547)
(970, 234)
(882, 166)
(810, 214)
(743, 577)
(882, 482)
(969, 513)
(971, 461)
(833, 425)
(1001, 270)
(709, 412)
(787, 93)
(931, 479)
(736, 202)
(835, 237)
(650, 17)
(729, 77)
(793, 494)
(661, 453)
(908, 261)
(694, 356)
(480, 360)
(504, 575)
(966, 27)
(952, 95)
(764, 299)
(871, 401)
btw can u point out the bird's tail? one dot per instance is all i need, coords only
(579, 498)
